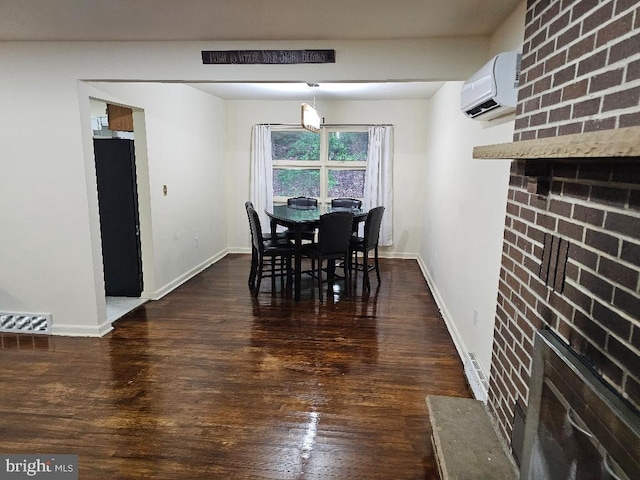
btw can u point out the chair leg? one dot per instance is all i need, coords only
(353, 266)
(259, 268)
(365, 267)
(320, 279)
(289, 273)
(347, 277)
(282, 270)
(377, 265)
(254, 266)
(273, 274)
(331, 271)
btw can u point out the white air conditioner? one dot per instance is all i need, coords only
(493, 90)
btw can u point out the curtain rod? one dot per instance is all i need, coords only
(331, 124)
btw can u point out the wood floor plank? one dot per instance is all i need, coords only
(212, 382)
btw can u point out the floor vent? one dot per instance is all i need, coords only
(477, 379)
(25, 323)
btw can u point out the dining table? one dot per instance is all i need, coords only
(295, 218)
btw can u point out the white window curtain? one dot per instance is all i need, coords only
(261, 181)
(378, 179)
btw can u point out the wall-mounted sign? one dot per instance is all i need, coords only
(267, 57)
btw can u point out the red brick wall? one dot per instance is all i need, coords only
(571, 258)
(580, 68)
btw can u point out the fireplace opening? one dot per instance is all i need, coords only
(576, 426)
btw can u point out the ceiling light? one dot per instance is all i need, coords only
(310, 118)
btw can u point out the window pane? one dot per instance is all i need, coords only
(288, 182)
(346, 183)
(294, 145)
(348, 146)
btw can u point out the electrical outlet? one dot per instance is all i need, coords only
(475, 317)
(196, 242)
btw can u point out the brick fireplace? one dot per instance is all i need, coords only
(571, 252)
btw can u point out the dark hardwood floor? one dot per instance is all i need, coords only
(212, 383)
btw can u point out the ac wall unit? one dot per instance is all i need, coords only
(492, 91)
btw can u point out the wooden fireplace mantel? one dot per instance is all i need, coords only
(621, 143)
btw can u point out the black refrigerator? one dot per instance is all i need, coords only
(119, 219)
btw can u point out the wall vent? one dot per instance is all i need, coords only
(554, 261)
(25, 323)
(477, 379)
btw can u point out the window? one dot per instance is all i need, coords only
(327, 165)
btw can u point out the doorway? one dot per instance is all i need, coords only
(119, 218)
(117, 188)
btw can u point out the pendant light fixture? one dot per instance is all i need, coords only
(309, 118)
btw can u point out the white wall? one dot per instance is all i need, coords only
(50, 251)
(46, 246)
(465, 202)
(185, 138)
(410, 128)
(50, 259)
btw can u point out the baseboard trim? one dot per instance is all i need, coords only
(81, 330)
(382, 253)
(463, 351)
(446, 315)
(461, 348)
(239, 250)
(169, 287)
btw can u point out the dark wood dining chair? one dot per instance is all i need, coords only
(248, 206)
(365, 244)
(302, 202)
(254, 253)
(308, 232)
(334, 231)
(278, 250)
(346, 203)
(265, 235)
(351, 203)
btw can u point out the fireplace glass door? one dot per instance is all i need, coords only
(576, 427)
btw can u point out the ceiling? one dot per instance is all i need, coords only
(258, 20)
(254, 20)
(323, 92)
